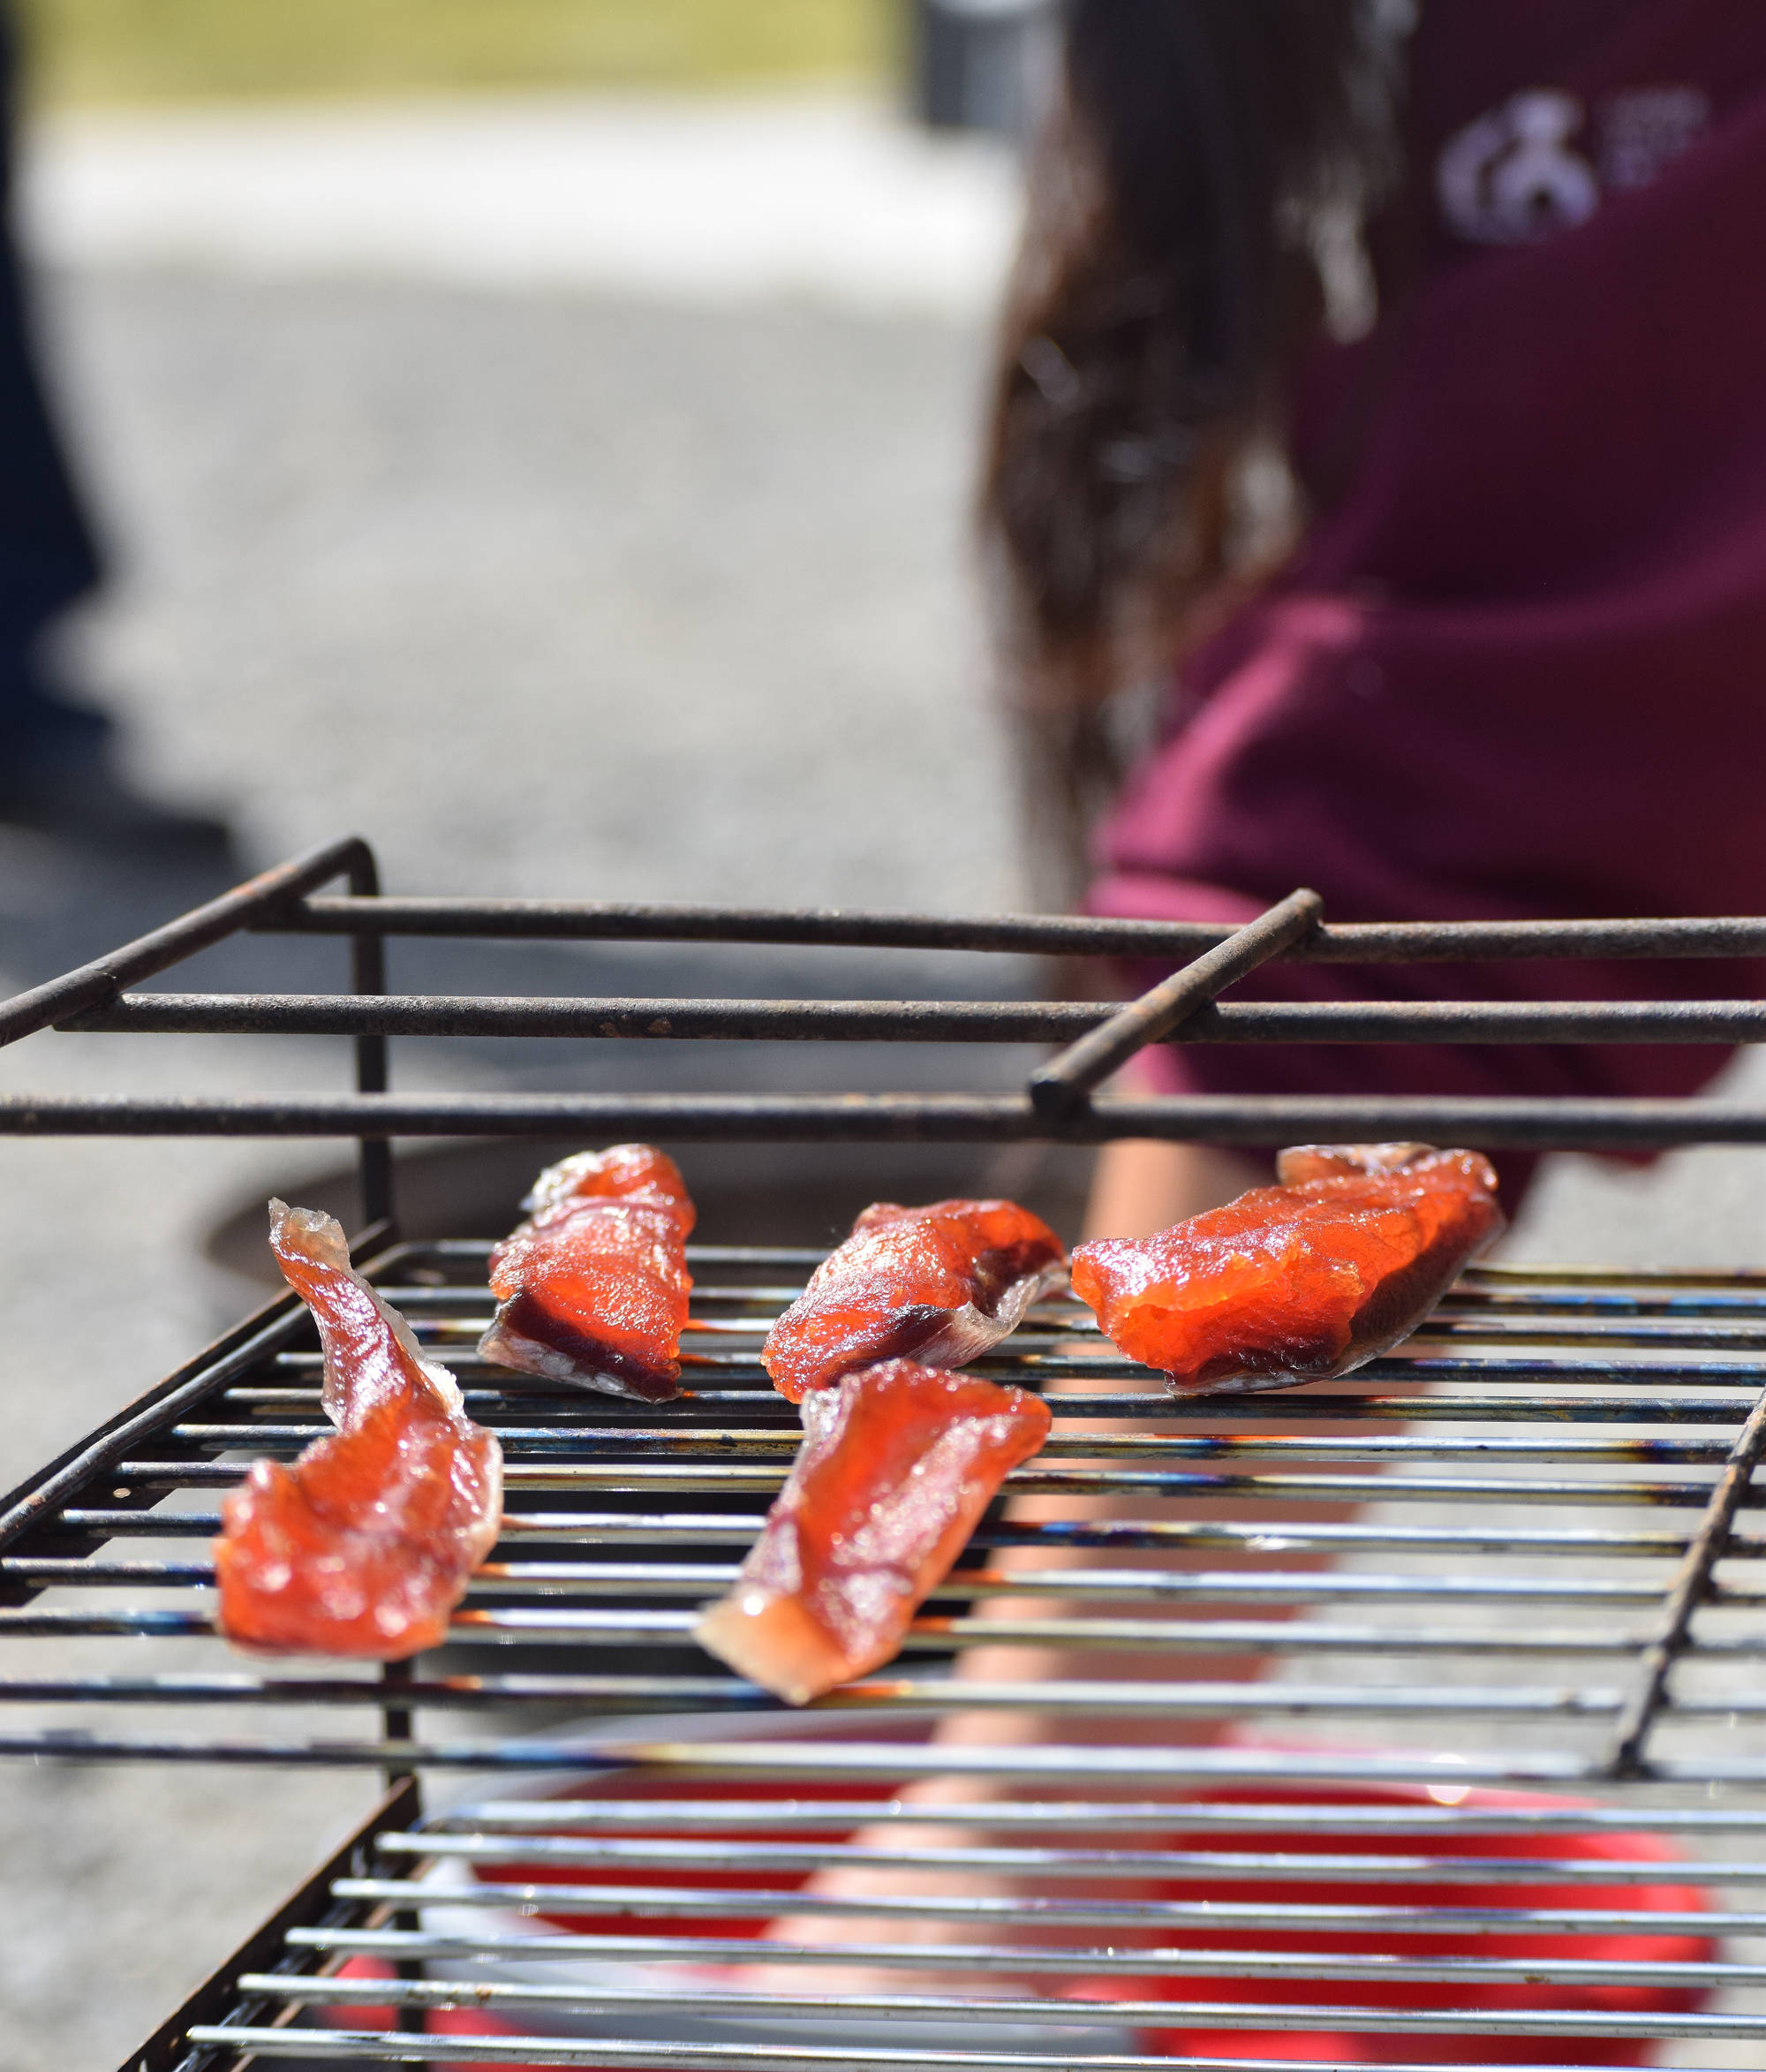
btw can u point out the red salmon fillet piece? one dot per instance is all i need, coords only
(364, 1546)
(1301, 1281)
(939, 1284)
(897, 1465)
(592, 1288)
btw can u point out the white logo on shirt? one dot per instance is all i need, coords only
(1511, 177)
(1643, 127)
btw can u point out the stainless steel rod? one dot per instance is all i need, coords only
(698, 1581)
(757, 1442)
(689, 1529)
(1551, 1768)
(1001, 1960)
(720, 1853)
(773, 2006)
(653, 1479)
(1022, 1909)
(398, 2049)
(929, 1635)
(1425, 1820)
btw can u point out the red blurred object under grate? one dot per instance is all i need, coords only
(1392, 1998)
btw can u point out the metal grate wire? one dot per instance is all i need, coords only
(1544, 1465)
(1415, 1719)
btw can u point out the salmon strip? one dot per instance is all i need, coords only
(898, 1464)
(939, 1284)
(1302, 1281)
(592, 1288)
(364, 1546)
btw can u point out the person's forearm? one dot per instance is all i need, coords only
(1138, 1187)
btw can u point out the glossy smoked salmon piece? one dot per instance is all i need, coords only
(364, 1546)
(939, 1284)
(592, 1288)
(897, 1465)
(1301, 1281)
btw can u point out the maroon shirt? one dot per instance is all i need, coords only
(1519, 665)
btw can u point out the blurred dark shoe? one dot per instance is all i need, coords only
(83, 800)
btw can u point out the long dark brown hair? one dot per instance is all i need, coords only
(1169, 271)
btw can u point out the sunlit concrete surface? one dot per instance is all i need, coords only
(586, 594)
(829, 200)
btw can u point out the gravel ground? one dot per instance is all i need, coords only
(545, 596)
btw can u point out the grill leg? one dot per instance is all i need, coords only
(367, 974)
(396, 1720)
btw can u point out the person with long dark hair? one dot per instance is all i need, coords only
(1382, 387)
(1381, 384)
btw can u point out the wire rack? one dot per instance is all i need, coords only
(1413, 1719)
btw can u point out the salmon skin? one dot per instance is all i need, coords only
(939, 1284)
(592, 1288)
(364, 1546)
(897, 1465)
(1299, 1282)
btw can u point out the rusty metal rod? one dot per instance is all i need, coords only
(918, 1021)
(1031, 934)
(1066, 1082)
(1540, 1124)
(92, 985)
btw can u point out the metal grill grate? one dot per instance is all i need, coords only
(1552, 1447)
(1472, 1776)
(1545, 1468)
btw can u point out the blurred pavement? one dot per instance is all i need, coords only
(720, 201)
